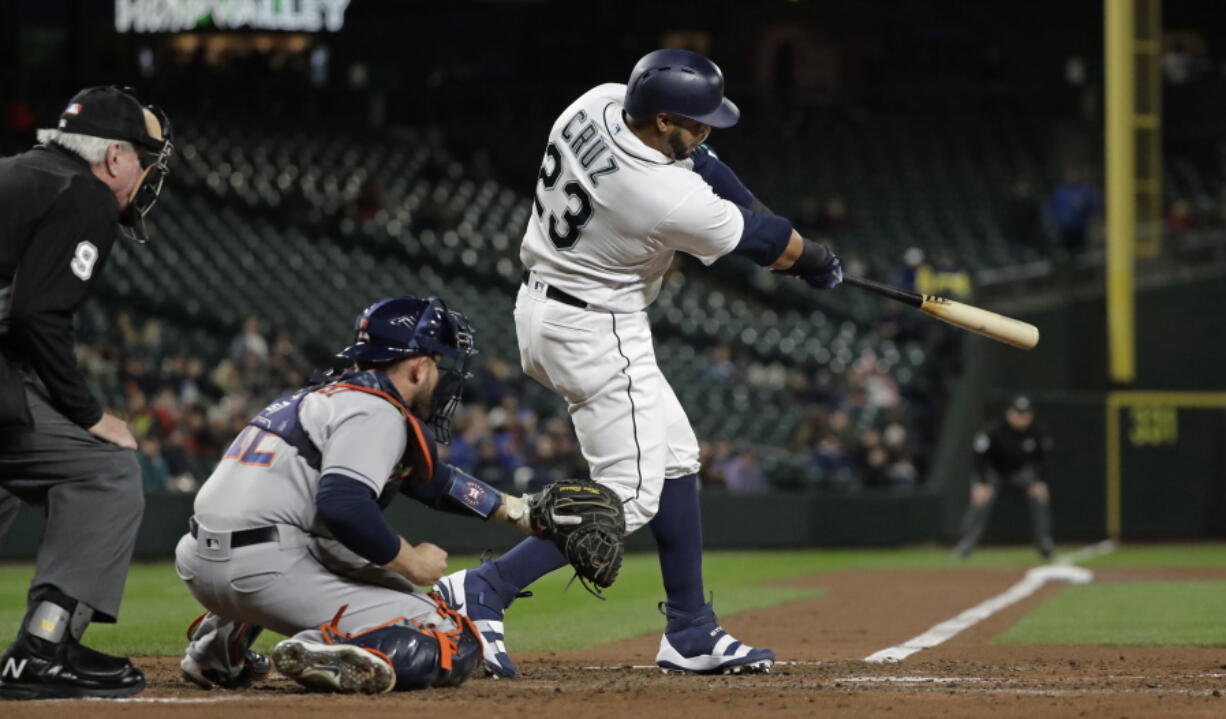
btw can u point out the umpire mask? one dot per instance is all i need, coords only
(115, 113)
(155, 161)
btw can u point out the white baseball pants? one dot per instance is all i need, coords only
(629, 423)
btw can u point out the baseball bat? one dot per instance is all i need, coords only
(976, 319)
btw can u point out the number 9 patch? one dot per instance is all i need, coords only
(83, 260)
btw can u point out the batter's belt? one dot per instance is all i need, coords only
(554, 293)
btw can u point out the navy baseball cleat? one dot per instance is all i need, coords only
(483, 596)
(696, 644)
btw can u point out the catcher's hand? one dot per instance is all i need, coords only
(586, 521)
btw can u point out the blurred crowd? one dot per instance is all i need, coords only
(185, 408)
(858, 428)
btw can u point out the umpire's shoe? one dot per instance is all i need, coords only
(483, 596)
(695, 643)
(34, 668)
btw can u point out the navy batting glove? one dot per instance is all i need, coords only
(829, 276)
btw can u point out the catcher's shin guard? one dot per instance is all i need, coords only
(219, 654)
(421, 655)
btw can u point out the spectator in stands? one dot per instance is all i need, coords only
(945, 278)
(831, 458)
(1072, 208)
(249, 341)
(894, 439)
(139, 413)
(490, 467)
(743, 474)
(722, 368)
(912, 261)
(154, 472)
(196, 386)
(880, 388)
(545, 463)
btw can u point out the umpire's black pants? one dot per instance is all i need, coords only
(90, 491)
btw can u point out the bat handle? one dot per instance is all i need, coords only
(914, 299)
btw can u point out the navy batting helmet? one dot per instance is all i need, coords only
(398, 328)
(682, 83)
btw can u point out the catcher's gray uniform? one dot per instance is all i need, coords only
(257, 555)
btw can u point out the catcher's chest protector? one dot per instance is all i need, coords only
(281, 418)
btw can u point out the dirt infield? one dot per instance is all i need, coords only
(822, 641)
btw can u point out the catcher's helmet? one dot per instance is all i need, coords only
(682, 83)
(398, 328)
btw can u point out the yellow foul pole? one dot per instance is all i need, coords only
(1119, 19)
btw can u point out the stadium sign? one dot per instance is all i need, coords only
(188, 15)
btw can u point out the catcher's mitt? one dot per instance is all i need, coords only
(586, 521)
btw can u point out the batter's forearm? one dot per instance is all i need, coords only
(791, 253)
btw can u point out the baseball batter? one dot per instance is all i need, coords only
(626, 182)
(289, 534)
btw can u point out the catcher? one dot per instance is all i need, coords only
(288, 532)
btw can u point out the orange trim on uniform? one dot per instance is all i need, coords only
(425, 448)
(191, 628)
(446, 647)
(421, 438)
(381, 655)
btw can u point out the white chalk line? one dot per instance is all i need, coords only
(173, 700)
(1062, 569)
(640, 667)
(1088, 552)
(969, 685)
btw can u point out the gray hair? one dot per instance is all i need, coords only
(91, 149)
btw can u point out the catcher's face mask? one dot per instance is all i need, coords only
(454, 369)
(155, 160)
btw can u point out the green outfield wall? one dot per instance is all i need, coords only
(730, 521)
(1171, 454)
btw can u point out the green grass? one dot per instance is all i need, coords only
(1159, 556)
(157, 607)
(1129, 614)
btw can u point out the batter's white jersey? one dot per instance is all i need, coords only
(609, 211)
(263, 480)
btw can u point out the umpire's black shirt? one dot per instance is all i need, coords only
(1005, 450)
(57, 225)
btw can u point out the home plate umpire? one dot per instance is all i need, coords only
(100, 170)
